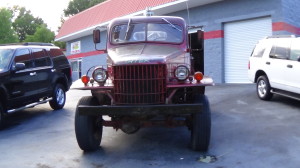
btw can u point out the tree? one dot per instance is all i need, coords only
(76, 6)
(42, 34)
(7, 34)
(25, 23)
(60, 44)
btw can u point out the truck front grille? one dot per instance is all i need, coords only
(139, 84)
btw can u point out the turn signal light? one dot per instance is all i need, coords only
(198, 76)
(85, 79)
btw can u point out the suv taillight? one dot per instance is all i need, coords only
(249, 64)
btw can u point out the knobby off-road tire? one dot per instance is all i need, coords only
(88, 129)
(263, 88)
(201, 125)
(59, 97)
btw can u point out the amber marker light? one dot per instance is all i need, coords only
(85, 79)
(198, 76)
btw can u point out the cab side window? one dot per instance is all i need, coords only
(41, 58)
(295, 50)
(23, 56)
(280, 49)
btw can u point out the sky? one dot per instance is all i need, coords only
(49, 10)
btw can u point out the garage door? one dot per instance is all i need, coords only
(239, 40)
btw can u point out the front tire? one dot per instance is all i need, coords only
(88, 129)
(263, 88)
(59, 97)
(201, 125)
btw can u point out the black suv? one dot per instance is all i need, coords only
(31, 74)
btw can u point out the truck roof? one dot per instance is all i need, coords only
(147, 19)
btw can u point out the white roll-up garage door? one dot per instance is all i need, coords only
(239, 40)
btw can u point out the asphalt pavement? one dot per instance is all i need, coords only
(246, 133)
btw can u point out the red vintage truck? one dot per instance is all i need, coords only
(150, 79)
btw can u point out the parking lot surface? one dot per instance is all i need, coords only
(246, 133)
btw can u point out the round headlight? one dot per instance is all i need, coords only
(181, 72)
(100, 75)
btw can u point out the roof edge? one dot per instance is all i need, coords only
(88, 31)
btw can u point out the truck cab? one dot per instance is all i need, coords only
(150, 79)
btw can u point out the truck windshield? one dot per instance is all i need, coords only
(147, 32)
(5, 57)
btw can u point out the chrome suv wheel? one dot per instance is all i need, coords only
(263, 88)
(59, 97)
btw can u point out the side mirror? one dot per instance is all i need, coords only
(19, 67)
(96, 36)
(298, 59)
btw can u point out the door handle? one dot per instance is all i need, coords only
(32, 73)
(290, 66)
(268, 63)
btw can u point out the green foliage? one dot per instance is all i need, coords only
(18, 25)
(7, 34)
(42, 34)
(25, 23)
(60, 44)
(76, 6)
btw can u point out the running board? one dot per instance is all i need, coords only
(29, 105)
(287, 94)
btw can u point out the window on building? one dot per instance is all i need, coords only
(76, 68)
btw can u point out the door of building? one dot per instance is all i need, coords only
(239, 40)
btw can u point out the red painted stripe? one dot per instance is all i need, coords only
(282, 26)
(214, 34)
(81, 55)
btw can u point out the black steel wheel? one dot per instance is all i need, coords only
(59, 97)
(263, 88)
(201, 125)
(88, 129)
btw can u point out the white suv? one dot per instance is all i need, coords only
(275, 66)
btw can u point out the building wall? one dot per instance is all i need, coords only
(291, 17)
(284, 15)
(87, 55)
(213, 17)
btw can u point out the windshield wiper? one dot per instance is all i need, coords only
(127, 30)
(172, 25)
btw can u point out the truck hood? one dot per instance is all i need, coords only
(143, 53)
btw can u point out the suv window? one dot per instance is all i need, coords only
(58, 57)
(295, 50)
(280, 49)
(23, 56)
(5, 58)
(259, 50)
(41, 58)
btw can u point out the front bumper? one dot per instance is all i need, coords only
(206, 81)
(140, 110)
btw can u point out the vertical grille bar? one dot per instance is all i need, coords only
(140, 84)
